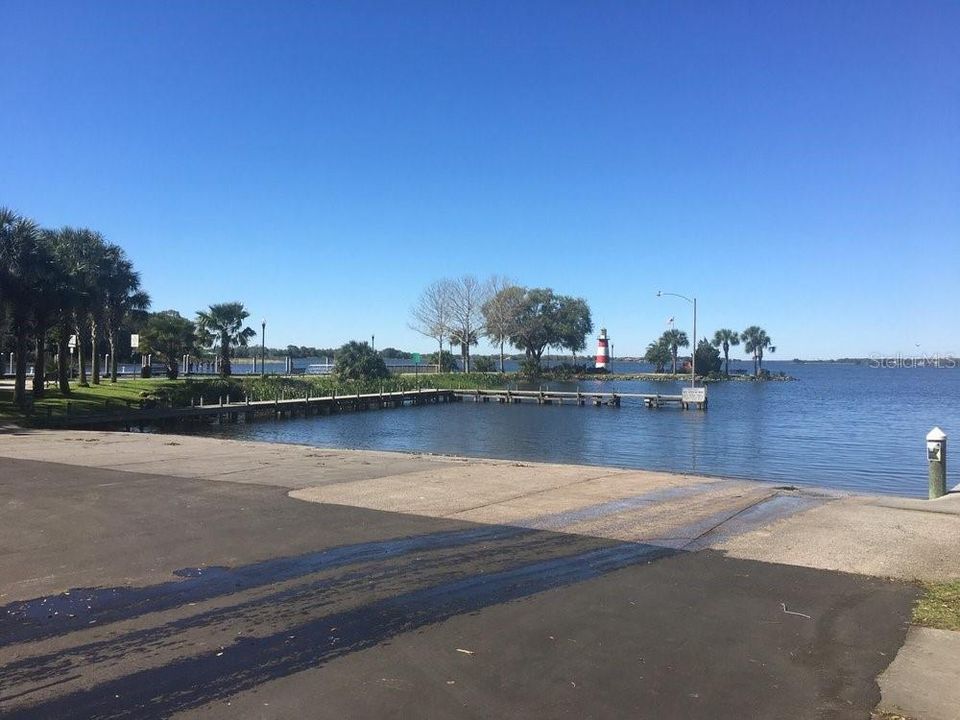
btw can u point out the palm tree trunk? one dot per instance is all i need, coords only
(80, 360)
(40, 365)
(224, 356)
(63, 359)
(20, 376)
(501, 357)
(726, 361)
(95, 370)
(112, 338)
(674, 366)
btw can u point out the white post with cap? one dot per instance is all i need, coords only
(937, 460)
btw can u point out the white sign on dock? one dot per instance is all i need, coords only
(694, 394)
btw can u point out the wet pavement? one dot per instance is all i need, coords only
(130, 595)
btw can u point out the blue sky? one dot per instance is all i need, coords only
(794, 165)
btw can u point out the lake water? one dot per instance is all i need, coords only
(849, 427)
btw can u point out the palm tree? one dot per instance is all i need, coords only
(46, 307)
(123, 296)
(22, 267)
(169, 336)
(68, 293)
(675, 339)
(359, 361)
(96, 311)
(658, 355)
(724, 339)
(221, 326)
(7, 219)
(755, 341)
(85, 251)
(456, 339)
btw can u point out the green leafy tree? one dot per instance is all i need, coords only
(708, 358)
(221, 327)
(574, 324)
(533, 328)
(359, 361)
(546, 319)
(169, 336)
(658, 355)
(725, 339)
(756, 341)
(675, 339)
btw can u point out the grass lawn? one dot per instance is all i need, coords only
(187, 389)
(939, 607)
(128, 392)
(83, 399)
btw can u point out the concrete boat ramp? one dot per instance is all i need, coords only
(161, 575)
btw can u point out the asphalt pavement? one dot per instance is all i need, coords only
(136, 595)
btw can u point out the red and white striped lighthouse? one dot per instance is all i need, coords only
(603, 350)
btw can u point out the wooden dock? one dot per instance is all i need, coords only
(556, 397)
(224, 411)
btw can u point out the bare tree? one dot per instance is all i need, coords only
(467, 298)
(432, 315)
(500, 310)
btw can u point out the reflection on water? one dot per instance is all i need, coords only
(840, 426)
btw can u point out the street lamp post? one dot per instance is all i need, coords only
(693, 354)
(263, 347)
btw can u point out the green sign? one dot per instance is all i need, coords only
(416, 358)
